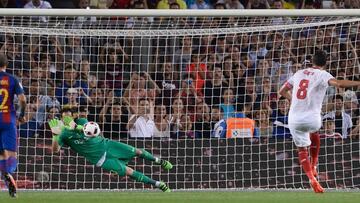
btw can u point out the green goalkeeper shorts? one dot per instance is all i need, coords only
(115, 165)
(117, 157)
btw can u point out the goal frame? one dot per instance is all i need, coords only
(181, 13)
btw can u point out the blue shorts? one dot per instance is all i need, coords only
(8, 138)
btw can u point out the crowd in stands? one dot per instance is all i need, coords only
(181, 86)
(182, 4)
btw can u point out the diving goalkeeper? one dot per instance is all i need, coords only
(83, 137)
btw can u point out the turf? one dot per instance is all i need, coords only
(175, 197)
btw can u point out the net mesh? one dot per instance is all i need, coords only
(196, 74)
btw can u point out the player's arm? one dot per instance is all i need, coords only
(343, 83)
(285, 91)
(19, 91)
(22, 104)
(55, 147)
(70, 124)
(56, 127)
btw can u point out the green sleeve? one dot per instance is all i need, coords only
(81, 121)
(62, 137)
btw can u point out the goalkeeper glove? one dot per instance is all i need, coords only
(56, 126)
(70, 123)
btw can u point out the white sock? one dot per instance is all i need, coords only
(157, 184)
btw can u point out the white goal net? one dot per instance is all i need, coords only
(198, 74)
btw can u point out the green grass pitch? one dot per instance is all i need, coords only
(177, 197)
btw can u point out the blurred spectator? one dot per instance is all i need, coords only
(279, 119)
(72, 96)
(138, 89)
(81, 21)
(121, 4)
(202, 124)
(351, 105)
(257, 4)
(113, 68)
(98, 101)
(168, 81)
(219, 5)
(213, 87)
(140, 124)
(233, 4)
(228, 71)
(12, 49)
(101, 4)
(162, 123)
(343, 122)
(183, 128)
(278, 4)
(247, 95)
(329, 129)
(200, 4)
(216, 115)
(31, 126)
(355, 132)
(38, 4)
(84, 72)
(45, 102)
(70, 81)
(177, 110)
(227, 105)
(182, 56)
(165, 4)
(8, 4)
(114, 120)
(199, 71)
(174, 6)
(74, 51)
(188, 94)
(263, 124)
(133, 21)
(83, 112)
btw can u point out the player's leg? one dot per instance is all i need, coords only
(314, 151)
(138, 176)
(2, 157)
(9, 146)
(121, 169)
(302, 141)
(126, 152)
(142, 153)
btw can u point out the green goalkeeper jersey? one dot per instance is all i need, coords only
(92, 148)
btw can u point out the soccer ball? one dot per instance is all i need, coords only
(91, 129)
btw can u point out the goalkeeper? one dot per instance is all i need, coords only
(107, 154)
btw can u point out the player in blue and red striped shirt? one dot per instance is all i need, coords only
(9, 87)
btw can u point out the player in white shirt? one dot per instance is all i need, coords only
(306, 90)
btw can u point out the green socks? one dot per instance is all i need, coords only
(142, 178)
(147, 156)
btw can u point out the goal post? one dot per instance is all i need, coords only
(202, 71)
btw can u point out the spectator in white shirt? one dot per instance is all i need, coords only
(38, 4)
(141, 125)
